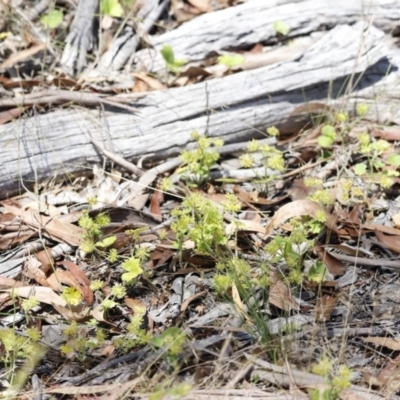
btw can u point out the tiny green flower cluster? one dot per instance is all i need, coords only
(200, 160)
(93, 230)
(287, 249)
(199, 220)
(273, 158)
(334, 386)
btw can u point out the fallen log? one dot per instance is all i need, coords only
(254, 21)
(348, 64)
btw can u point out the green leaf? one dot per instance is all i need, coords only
(106, 242)
(325, 141)
(360, 169)
(133, 268)
(394, 159)
(378, 163)
(111, 8)
(281, 27)
(329, 130)
(231, 60)
(52, 19)
(317, 272)
(168, 54)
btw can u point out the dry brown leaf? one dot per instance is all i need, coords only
(156, 199)
(383, 341)
(51, 227)
(186, 303)
(14, 238)
(54, 282)
(251, 198)
(244, 225)
(392, 133)
(82, 281)
(42, 294)
(333, 265)
(22, 55)
(239, 304)
(140, 86)
(312, 108)
(391, 242)
(150, 81)
(396, 220)
(72, 313)
(107, 351)
(66, 278)
(324, 307)
(296, 209)
(202, 5)
(9, 115)
(194, 72)
(299, 190)
(9, 282)
(136, 305)
(381, 228)
(43, 208)
(32, 269)
(98, 314)
(385, 376)
(279, 294)
(46, 259)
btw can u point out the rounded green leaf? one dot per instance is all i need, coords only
(112, 8)
(394, 159)
(231, 60)
(281, 27)
(168, 54)
(108, 241)
(360, 169)
(325, 141)
(329, 130)
(52, 19)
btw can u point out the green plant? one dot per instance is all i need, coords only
(334, 385)
(16, 347)
(72, 296)
(200, 221)
(375, 152)
(111, 8)
(231, 60)
(178, 391)
(281, 28)
(91, 240)
(327, 137)
(198, 162)
(132, 268)
(171, 63)
(52, 19)
(173, 341)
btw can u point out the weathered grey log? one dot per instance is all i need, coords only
(123, 48)
(234, 108)
(254, 23)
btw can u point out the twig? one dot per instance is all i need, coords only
(118, 159)
(367, 261)
(45, 97)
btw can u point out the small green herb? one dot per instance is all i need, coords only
(171, 63)
(53, 19)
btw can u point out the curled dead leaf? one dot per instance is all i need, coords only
(296, 209)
